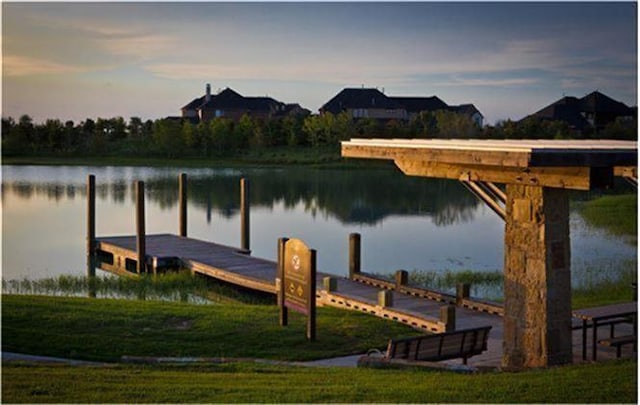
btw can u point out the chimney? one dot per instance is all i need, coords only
(207, 95)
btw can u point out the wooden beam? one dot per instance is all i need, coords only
(576, 178)
(487, 198)
(451, 156)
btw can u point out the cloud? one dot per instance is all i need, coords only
(461, 81)
(13, 65)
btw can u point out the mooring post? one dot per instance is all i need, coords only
(91, 234)
(462, 292)
(448, 317)
(140, 228)
(244, 215)
(354, 254)
(91, 214)
(330, 284)
(402, 278)
(182, 191)
(385, 298)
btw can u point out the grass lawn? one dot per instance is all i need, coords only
(106, 329)
(248, 383)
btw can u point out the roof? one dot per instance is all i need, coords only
(598, 102)
(352, 98)
(570, 109)
(228, 99)
(468, 109)
(571, 164)
(418, 104)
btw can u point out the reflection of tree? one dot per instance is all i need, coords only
(351, 196)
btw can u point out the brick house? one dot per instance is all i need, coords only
(372, 103)
(232, 105)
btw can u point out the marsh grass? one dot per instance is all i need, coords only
(595, 285)
(173, 286)
(616, 214)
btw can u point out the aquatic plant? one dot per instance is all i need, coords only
(174, 286)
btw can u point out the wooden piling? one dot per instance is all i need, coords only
(385, 298)
(462, 292)
(402, 278)
(354, 254)
(330, 283)
(244, 215)
(140, 228)
(91, 234)
(182, 190)
(448, 317)
(91, 214)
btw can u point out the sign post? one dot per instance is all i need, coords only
(297, 274)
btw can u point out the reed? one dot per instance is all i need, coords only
(178, 286)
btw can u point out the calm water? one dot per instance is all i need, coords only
(405, 223)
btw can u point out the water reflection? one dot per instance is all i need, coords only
(406, 223)
(352, 197)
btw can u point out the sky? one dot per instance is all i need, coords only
(74, 61)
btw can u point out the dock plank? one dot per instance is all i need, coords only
(230, 264)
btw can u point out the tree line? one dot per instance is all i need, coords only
(177, 138)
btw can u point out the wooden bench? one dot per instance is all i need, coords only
(576, 324)
(618, 342)
(440, 346)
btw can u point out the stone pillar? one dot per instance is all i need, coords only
(537, 277)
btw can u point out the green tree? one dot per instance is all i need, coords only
(166, 138)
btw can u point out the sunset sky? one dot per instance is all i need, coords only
(88, 60)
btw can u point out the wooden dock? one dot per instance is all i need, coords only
(234, 265)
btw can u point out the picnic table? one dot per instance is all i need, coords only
(604, 315)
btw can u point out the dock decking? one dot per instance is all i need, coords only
(233, 265)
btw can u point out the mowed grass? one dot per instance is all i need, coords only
(106, 329)
(256, 383)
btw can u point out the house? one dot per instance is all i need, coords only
(372, 103)
(365, 103)
(230, 104)
(593, 111)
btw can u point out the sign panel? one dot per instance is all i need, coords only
(297, 279)
(297, 275)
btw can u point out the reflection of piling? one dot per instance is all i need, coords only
(182, 191)
(140, 228)
(354, 254)
(244, 215)
(91, 234)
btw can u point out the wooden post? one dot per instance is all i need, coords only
(141, 248)
(448, 317)
(402, 278)
(182, 191)
(91, 234)
(385, 298)
(354, 254)
(284, 312)
(462, 292)
(244, 215)
(311, 308)
(330, 284)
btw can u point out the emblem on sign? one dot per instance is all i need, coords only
(295, 261)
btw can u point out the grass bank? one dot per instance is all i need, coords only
(617, 214)
(107, 329)
(251, 383)
(277, 156)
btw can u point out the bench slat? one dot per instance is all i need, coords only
(443, 346)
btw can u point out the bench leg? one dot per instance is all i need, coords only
(619, 351)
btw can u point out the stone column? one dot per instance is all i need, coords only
(537, 277)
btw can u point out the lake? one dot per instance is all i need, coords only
(406, 223)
